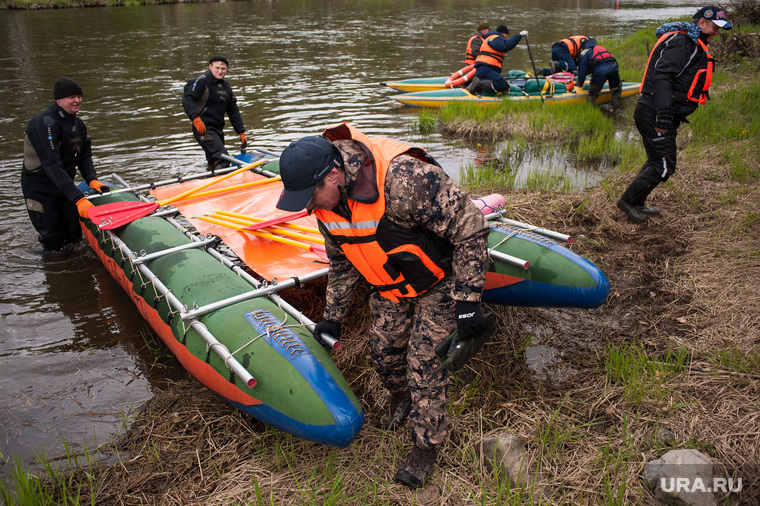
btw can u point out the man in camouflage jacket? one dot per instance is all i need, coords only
(333, 174)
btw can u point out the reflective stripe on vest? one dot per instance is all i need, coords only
(357, 238)
(488, 55)
(469, 58)
(700, 97)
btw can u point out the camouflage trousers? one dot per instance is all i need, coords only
(403, 337)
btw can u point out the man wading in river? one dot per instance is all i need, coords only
(207, 98)
(676, 82)
(56, 144)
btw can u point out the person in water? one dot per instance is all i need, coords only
(56, 144)
(206, 100)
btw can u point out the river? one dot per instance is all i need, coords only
(73, 357)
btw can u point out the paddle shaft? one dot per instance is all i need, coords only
(237, 187)
(281, 231)
(157, 184)
(193, 191)
(538, 84)
(250, 219)
(263, 172)
(265, 235)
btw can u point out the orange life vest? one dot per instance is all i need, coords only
(488, 54)
(397, 261)
(699, 89)
(574, 44)
(469, 57)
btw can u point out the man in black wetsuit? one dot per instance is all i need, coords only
(55, 145)
(206, 99)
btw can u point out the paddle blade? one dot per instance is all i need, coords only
(278, 220)
(118, 214)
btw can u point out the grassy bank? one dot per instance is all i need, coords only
(676, 346)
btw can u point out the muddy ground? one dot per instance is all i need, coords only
(686, 280)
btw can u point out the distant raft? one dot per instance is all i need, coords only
(529, 92)
(463, 77)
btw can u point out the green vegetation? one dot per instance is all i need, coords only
(641, 377)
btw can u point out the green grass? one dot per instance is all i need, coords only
(643, 377)
(56, 484)
(732, 359)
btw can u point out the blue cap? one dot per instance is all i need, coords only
(714, 14)
(302, 165)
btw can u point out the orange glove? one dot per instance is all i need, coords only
(199, 126)
(82, 206)
(99, 187)
(243, 140)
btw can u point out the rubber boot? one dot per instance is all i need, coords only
(652, 211)
(418, 467)
(474, 85)
(485, 84)
(617, 98)
(593, 91)
(401, 404)
(633, 212)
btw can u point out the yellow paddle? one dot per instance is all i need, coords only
(317, 250)
(282, 231)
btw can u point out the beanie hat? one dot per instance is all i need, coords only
(483, 26)
(66, 87)
(218, 58)
(502, 29)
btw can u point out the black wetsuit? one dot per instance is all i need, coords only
(55, 145)
(210, 99)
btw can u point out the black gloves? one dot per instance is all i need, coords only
(470, 320)
(665, 123)
(332, 329)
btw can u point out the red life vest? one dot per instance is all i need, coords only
(574, 44)
(410, 261)
(469, 57)
(699, 88)
(489, 55)
(600, 55)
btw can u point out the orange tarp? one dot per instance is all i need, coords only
(265, 257)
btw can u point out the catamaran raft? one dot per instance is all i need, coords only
(233, 332)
